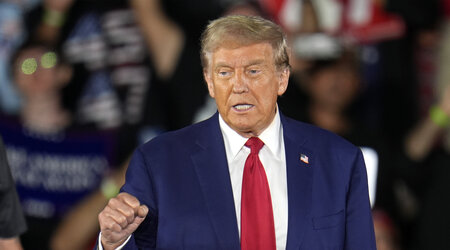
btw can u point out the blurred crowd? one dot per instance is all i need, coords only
(83, 82)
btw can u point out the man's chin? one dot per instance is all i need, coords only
(245, 130)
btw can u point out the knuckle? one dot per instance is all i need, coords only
(109, 224)
(129, 199)
(112, 202)
(100, 217)
(116, 228)
(128, 213)
(124, 196)
(103, 217)
(121, 220)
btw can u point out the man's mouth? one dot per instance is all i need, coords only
(242, 107)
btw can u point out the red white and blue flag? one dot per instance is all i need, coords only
(304, 158)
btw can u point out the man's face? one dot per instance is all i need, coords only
(245, 83)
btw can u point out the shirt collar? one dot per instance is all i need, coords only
(270, 136)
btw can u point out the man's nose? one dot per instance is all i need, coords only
(240, 84)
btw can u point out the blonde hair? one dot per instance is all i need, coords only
(237, 30)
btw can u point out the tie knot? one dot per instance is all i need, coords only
(255, 144)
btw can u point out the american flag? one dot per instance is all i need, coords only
(304, 158)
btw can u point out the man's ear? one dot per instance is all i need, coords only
(283, 81)
(209, 82)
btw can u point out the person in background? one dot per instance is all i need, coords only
(423, 137)
(112, 76)
(54, 161)
(427, 162)
(12, 221)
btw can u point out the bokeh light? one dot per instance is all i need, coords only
(49, 60)
(29, 66)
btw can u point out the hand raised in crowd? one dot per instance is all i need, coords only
(58, 5)
(119, 219)
(421, 140)
(54, 17)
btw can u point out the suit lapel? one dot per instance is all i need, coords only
(211, 166)
(300, 166)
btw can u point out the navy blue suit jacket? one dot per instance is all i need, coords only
(183, 178)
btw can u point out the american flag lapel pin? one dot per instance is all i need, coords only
(304, 158)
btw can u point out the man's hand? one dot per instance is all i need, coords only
(119, 219)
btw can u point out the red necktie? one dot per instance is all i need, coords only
(257, 227)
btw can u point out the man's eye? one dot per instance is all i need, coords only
(254, 71)
(224, 73)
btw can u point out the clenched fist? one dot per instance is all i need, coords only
(119, 219)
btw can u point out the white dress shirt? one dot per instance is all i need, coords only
(273, 158)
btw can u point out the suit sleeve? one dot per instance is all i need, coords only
(359, 225)
(139, 183)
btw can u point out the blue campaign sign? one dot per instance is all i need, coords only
(54, 171)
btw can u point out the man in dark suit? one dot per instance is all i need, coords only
(248, 177)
